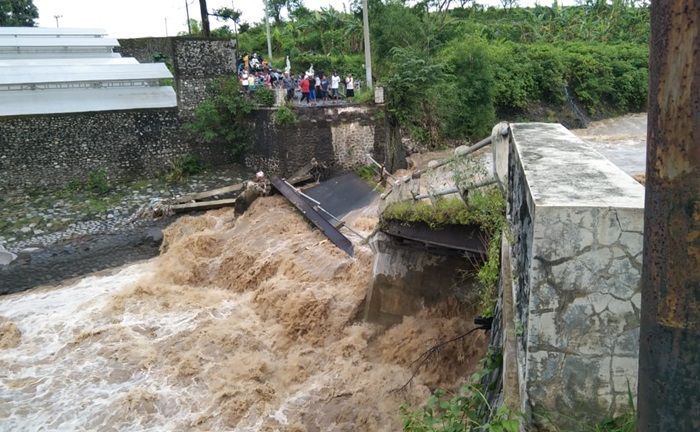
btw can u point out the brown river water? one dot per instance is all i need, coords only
(247, 324)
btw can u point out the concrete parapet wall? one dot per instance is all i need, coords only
(577, 224)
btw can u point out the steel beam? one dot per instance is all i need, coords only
(669, 358)
(312, 215)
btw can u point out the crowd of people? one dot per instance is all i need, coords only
(314, 87)
(254, 72)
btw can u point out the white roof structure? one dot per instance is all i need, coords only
(43, 31)
(48, 71)
(51, 62)
(57, 101)
(81, 73)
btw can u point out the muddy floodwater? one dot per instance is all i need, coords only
(243, 324)
(620, 139)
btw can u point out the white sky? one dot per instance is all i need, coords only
(138, 18)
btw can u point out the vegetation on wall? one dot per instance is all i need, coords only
(284, 116)
(223, 116)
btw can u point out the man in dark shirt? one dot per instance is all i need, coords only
(288, 84)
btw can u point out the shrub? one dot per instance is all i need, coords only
(263, 96)
(223, 116)
(97, 182)
(183, 167)
(466, 410)
(284, 116)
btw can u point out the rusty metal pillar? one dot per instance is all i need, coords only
(669, 358)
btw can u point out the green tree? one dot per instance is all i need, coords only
(276, 7)
(18, 13)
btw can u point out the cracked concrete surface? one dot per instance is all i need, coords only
(577, 224)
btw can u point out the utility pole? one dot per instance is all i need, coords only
(205, 18)
(368, 50)
(166, 26)
(187, 11)
(57, 17)
(235, 27)
(267, 28)
(669, 346)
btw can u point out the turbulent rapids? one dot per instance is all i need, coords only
(246, 324)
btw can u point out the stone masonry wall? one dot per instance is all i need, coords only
(337, 136)
(52, 150)
(577, 223)
(194, 62)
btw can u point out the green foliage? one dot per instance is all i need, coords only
(284, 116)
(223, 116)
(18, 13)
(450, 73)
(183, 167)
(367, 173)
(485, 209)
(97, 182)
(264, 97)
(467, 410)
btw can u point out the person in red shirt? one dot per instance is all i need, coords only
(305, 84)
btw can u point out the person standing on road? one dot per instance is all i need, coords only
(312, 89)
(349, 86)
(288, 84)
(335, 83)
(304, 85)
(324, 87)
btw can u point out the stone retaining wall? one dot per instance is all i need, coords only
(194, 62)
(49, 150)
(338, 136)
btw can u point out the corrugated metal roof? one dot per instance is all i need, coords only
(49, 71)
(83, 73)
(55, 54)
(21, 61)
(59, 42)
(85, 100)
(46, 31)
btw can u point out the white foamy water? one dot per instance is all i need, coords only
(52, 380)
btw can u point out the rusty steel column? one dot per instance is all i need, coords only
(669, 357)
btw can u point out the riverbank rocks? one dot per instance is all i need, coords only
(6, 257)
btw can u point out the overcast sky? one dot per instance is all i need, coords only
(136, 18)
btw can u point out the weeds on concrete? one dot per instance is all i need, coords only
(485, 209)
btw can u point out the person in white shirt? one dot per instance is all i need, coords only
(335, 83)
(349, 86)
